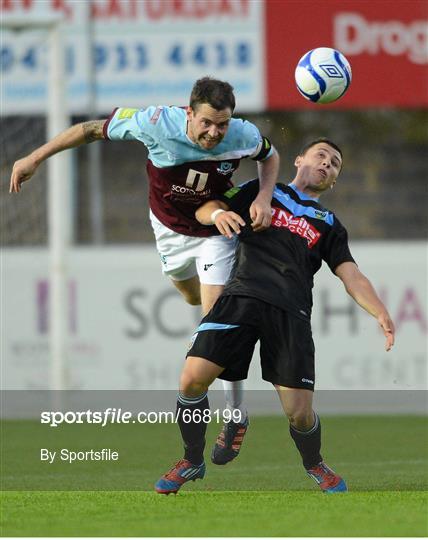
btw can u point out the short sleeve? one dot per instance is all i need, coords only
(131, 124)
(246, 136)
(336, 248)
(264, 150)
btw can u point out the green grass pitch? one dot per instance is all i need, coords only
(265, 492)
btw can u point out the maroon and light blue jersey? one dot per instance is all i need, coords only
(182, 175)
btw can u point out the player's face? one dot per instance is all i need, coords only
(206, 126)
(319, 167)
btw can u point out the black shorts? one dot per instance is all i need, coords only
(228, 334)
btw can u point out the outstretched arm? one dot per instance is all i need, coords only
(362, 291)
(260, 210)
(84, 133)
(217, 213)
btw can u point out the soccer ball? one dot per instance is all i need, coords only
(323, 75)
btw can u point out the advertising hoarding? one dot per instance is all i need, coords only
(129, 329)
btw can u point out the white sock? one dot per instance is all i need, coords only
(234, 394)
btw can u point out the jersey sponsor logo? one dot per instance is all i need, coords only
(156, 114)
(196, 180)
(187, 191)
(126, 113)
(225, 168)
(190, 196)
(296, 225)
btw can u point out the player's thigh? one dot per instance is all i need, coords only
(190, 290)
(287, 350)
(178, 252)
(209, 296)
(215, 260)
(227, 336)
(200, 371)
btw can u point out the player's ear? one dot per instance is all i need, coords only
(189, 113)
(297, 161)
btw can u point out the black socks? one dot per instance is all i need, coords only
(308, 443)
(190, 415)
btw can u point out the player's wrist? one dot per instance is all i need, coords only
(215, 214)
(36, 158)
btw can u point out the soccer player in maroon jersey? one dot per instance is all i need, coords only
(192, 155)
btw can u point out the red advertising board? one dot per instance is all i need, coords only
(385, 41)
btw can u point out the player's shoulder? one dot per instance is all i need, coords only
(172, 111)
(240, 125)
(243, 133)
(249, 186)
(162, 121)
(327, 215)
(163, 114)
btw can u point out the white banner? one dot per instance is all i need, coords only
(146, 52)
(129, 328)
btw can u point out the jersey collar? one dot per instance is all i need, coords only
(302, 195)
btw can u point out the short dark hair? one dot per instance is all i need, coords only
(218, 94)
(318, 141)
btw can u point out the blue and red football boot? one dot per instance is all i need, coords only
(328, 480)
(182, 472)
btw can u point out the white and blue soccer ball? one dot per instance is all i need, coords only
(323, 75)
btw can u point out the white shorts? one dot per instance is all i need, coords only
(184, 257)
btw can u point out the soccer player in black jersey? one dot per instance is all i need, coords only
(268, 298)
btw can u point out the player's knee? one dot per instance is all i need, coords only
(189, 289)
(192, 297)
(190, 385)
(301, 419)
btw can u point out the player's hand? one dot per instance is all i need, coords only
(261, 215)
(388, 329)
(23, 170)
(228, 223)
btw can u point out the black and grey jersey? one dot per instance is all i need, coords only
(278, 265)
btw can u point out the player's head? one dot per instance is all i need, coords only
(218, 94)
(212, 103)
(319, 164)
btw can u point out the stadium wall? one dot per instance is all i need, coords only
(129, 329)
